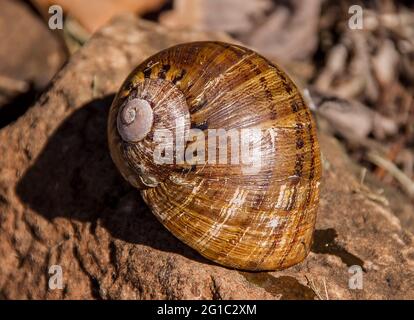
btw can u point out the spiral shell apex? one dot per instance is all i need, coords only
(224, 151)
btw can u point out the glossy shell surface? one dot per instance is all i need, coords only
(253, 221)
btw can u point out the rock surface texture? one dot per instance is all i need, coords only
(62, 202)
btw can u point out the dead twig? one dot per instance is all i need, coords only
(406, 183)
(311, 283)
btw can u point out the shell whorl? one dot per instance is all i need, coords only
(151, 106)
(258, 220)
(135, 120)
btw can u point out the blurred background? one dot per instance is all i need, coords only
(360, 82)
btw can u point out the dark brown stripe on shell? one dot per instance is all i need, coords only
(305, 205)
(179, 76)
(285, 82)
(202, 126)
(147, 72)
(296, 106)
(269, 96)
(163, 71)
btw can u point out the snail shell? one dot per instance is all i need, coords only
(256, 215)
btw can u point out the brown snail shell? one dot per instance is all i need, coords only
(254, 221)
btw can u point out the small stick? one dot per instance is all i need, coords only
(326, 290)
(406, 183)
(363, 175)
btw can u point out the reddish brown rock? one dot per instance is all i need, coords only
(30, 55)
(29, 51)
(63, 202)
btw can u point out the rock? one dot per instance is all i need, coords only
(22, 57)
(62, 202)
(30, 55)
(93, 14)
